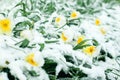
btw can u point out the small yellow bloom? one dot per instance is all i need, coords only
(74, 15)
(63, 37)
(5, 26)
(57, 19)
(102, 30)
(60, 21)
(97, 22)
(89, 50)
(81, 38)
(30, 59)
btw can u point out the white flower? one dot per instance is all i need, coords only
(27, 34)
(67, 35)
(75, 15)
(35, 59)
(38, 38)
(60, 21)
(5, 58)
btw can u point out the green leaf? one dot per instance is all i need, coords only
(41, 29)
(87, 65)
(42, 45)
(49, 66)
(52, 77)
(76, 72)
(95, 42)
(35, 18)
(52, 41)
(50, 8)
(3, 14)
(19, 4)
(9, 75)
(23, 25)
(16, 33)
(81, 45)
(24, 43)
(33, 73)
(69, 58)
(108, 70)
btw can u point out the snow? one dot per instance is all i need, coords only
(13, 57)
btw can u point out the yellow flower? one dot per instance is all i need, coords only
(97, 22)
(74, 15)
(5, 26)
(102, 30)
(80, 38)
(63, 37)
(58, 19)
(89, 50)
(30, 59)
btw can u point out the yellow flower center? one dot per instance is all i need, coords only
(63, 37)
(89, 50)
(97, 22)
(73, 15)
(30, 59)
(80, 39)
(102, 30)
(5, 26)
(58, 19)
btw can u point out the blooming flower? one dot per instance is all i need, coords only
(5, 26)
(64, 38)
(80, 38)
(102, 30)
(74, 15)
(30, 59)
(97, 22)
(27, 34)
(60, 21)
(67, 35)
(35, 59)
(89, 50)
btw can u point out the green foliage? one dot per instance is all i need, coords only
(51, 41)
(33, 73)
(50, 8)
(21, 26)
(24, 43)
(41, 30)
(42, 45)
(50, 66)
(81, 45)
(95, 42)
(69, 58)
(10, 76)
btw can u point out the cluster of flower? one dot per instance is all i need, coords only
(33, 41)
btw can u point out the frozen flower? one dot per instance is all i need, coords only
(67, 35)
(60, 21)
(27, 34)
(35, 59)
(80, 38)
(30, 59)
(74, 15)
(89, 50)
(5, 26)
(102, 30)
(63, 37)
(97, 22)
(38, 38)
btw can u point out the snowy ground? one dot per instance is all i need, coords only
(58, 39)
